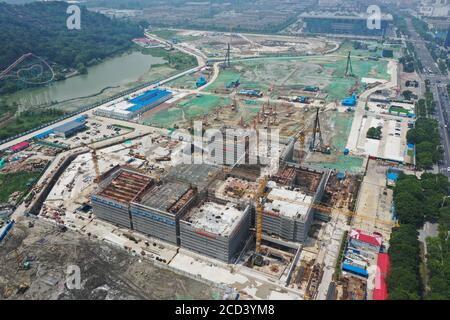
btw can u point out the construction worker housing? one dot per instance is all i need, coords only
(210, 209)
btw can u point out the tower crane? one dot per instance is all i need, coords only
(259, 199)
(94, 160)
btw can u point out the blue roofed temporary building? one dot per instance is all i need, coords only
(70, 128)
(129, 109)
(355, 270)
(149, 100)
(43, 135)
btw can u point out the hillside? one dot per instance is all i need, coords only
(40, 28)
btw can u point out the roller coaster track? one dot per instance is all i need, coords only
(6, 72)
(15, 63)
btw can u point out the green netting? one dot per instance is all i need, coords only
(326, 72)
(343, 125)
(186, 110)
(164, 119)
(344, 163)
(186, 82)
(225, 77)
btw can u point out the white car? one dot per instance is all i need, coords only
(448, 169)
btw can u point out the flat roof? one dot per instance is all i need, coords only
(164, 197)
(128, 106)
(215, 218)
(125, 187)
(147, 98)
(288, 203)
(373, 239)
(197, 174)
(70, 126)
(20, 145)
(343, 15)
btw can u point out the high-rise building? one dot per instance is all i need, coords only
(344, 23)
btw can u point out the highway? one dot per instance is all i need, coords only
(438, 84)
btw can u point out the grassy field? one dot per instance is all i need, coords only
(6, 110)
(170, 34)
(12, 182)
(176, 59)
(186, 110)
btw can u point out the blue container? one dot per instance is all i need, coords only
(6, 229)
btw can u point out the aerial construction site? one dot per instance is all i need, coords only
(116, 185)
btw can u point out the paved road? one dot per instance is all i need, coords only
(121, 98)
(438, 83)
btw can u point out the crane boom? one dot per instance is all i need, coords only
(259, 212)
(95, 161)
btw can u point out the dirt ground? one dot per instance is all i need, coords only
(106, 272)
(375, 201)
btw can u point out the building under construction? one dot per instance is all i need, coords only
(237, 146)
(138, 202)
(118, 188)
(216, 228)
(158, 212)
(212, 217)
(288, 211)
(174, 211)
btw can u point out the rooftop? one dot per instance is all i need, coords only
(288, 203)
(70, 126)
(198, 174)
(372, 239)
(126, 186)
(215, 218)
(234, 189)
(168, 196)
(132, 105)
(343, 15)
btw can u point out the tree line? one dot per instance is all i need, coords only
(416, 201)
(40, 28)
